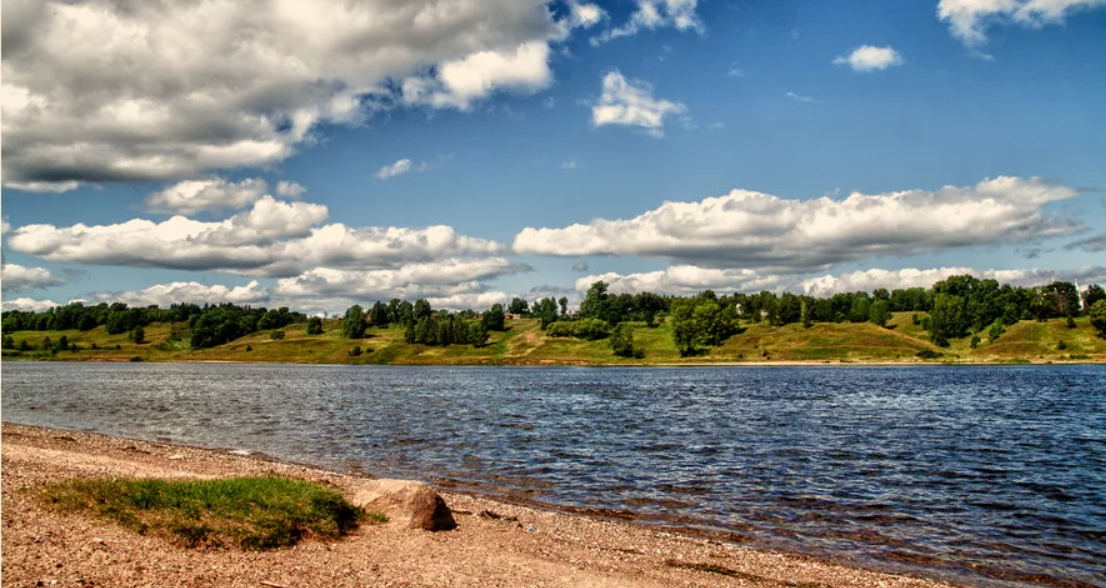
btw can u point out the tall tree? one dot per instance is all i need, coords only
(353, 324)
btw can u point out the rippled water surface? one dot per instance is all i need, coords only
(984, 475)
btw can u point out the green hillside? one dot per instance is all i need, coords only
(525, 344)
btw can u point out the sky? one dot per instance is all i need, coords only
(319, 155)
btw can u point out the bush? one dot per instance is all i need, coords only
(590, 329)
(137, 335)
(276, 335)
(356, 351)
(996, 331)
(929, 354)
(1071, 323)
(975, 341)
(1062, 345)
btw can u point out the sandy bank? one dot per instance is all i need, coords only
(525, 547)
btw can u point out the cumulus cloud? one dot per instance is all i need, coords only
(28, 305)
(969, 19)
(585, 15)
(17, 278)
(688, 280)
(869, 280)
(631, 103)
(103, 91)
(273, 238)
(656, 14)
(165, 295)
(454, 283)
(761, 231)
(867, 58)
(292, 190)
(192, 196)
(458, 83)
(684, 280)
(1090, 244)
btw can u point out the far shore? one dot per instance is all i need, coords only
(496, 544)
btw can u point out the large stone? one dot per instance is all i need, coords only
(406, 502)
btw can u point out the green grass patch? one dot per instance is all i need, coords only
(250, 513)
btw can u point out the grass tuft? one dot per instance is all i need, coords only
(250, 513)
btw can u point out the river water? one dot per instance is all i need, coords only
(990, 476)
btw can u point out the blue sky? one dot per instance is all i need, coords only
(534, 147)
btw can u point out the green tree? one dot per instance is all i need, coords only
(1093, 294)
(9, 342)
(1098, 317)
(314, 326)
(518, 306)
(880, 313)
(622, 340)
(947, 320)
(353, 324)
(563, 302)
(494, 319)
(421, 310)
(594, 304)
(378, 315)
(138, 335)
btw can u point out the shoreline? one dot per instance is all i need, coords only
(611, 549)
(583, 363)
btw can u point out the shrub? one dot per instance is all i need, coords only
(356, 351)
(975, 341)
(137, 335)
(276, 335)
(1071, 323)
(588, 328)
(996, 331)
(929, 354)
(1062, 345)
(249, 348)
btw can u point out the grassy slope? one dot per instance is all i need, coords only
(525, 344)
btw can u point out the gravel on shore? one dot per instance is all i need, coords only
(522, 547)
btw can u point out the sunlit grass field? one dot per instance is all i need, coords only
(524, 343)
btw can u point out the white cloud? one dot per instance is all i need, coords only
(969, 19)
(688, 280)
(868, 58)
(286, 189)
(101, 91)
(165, 295)
(735, 73)
(454, 283)
(192, 196)
(17, 278)
(632, 104)
(459, 83)
(569, 164)
(683, 280)
(396, 169)
(655, 14)
(800, 98)
(755, 230)
(869, 280)
(273, 238)
(29, 305)
(585, 15)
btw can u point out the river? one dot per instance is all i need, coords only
(986, 475)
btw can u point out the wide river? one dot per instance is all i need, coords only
(991, 476)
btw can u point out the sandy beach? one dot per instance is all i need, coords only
(523, 547)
